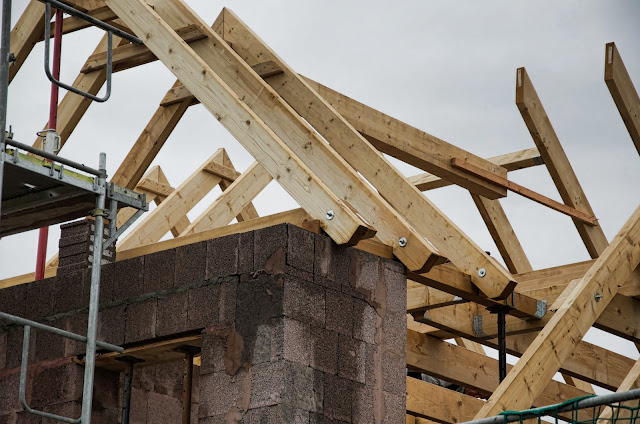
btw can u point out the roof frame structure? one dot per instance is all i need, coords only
(273, 111)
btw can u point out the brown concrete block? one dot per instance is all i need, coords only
(75, 228)
(203, 307)
(49, 345)
(159, 270)
(266, 241)
(394, 328)
(68, 291)
(245, 252)
(106, 394)
(40, 295)
(129, 278)
(339, 312)
(394, 408)
(76, 324)
(300, 248)
(107, 281)
(331, 261)
(227, 300)
(364, 321)
(14, 346)
(66, 240)
(364, 274)
(222, 256)
(267, 384)
(395, 282)
(304, 388)
(163, 409)
(362, 408)
(351, 358)
(214, 347)
(24, 417)
(190, 263)
(111, 325)
(220, 393)
(13, 301)
(304, 301)
(338, 394)
(324, 350)
(139, 406)
(57, 384)
(297, 338)
(393, 373)
(172, 314)
(9, 384)
(169, 379)
(267, 297)
(3, 349)
(141, 321)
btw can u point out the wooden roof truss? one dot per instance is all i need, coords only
(328, 152)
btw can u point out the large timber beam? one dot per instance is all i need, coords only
(25, 35)
(291, 129)
(439, 404)
(569, 324)
(556, 161)
(470, 369)
(623, 92)
(363, 157)
(343, 225)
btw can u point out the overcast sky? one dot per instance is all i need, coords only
(447, 68)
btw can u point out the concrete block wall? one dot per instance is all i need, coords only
(76, 246)
(294, 328)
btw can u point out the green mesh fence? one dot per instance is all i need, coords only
(570, 411)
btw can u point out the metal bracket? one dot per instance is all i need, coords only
(99, 212)
(122, 229)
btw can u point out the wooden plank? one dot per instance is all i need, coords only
(222, 171)
(25, 35)
(523, 191)
(296, 217)
(301, 183)
(623, 92)
(249, 211)
(156, 187)
(232, 201)
(362, 156)
(160, 220)
(562, 275)
(471, 369)
(502, 234)
(129, 55)
(567, 326)
(290, 128)
(439, 404)
(149, 143)
(557, 162)
(511, 162)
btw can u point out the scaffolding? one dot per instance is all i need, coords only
(39, 188)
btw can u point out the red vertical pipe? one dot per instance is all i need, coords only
(43, 235)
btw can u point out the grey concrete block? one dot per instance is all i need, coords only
(364, 321)
(339, 312)
(351, 358)
(304, 301)
(300, 248)
(159, 269)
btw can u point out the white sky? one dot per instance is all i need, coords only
(447, 68)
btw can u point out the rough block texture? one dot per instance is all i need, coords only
(294, 330)
(76, 246)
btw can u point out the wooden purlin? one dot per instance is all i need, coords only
(623, 92)
(556, 161)
(581, 309)
(343, 225)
